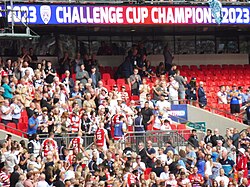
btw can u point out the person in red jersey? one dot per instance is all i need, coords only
(195, 178)
(77, 143)
(49, 145)
(128, 178)
(241, 162)
(109, 179)
(101, 138)
(75, 122)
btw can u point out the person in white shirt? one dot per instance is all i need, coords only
(165, 175)
(173, 87)
(42, 182)
(163, 105)
(26, 67)
(222, 177)
(166, 125)
(11, 159)
(6, 112)
(161, 156)
(17, 109)
(139, 165)
(222, 95)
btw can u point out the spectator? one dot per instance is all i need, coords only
(68, 82)
(8, 91)
(246, 97)
(234, 101)
(222, 95)
(15, 176)
(172, 71)
(95, 76)
(195, 178)
(216, 137)
(222, 177)
(144, 89)
(173, 88)
(147, 115)
(34, 145)
(181, 90)
(4, 177)
(17, 109)
(241, 163)
(168, 57)
(208, 136)
(42, 182)
(134, 82)
(82, 75)
(6, 112)
(1, 96)
(33, 124)
(227, 164)
(150, 154)
(50, 73)
(202, 96)
(65, 63)
(193, 139)
(160, 69)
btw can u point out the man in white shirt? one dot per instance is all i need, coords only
(222, 95)
(26, 67)
(6, 112)
(163, 105)
(173, 87)
(222, 177)
(139, 165)
(42, 182)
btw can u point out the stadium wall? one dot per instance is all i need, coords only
(212, 120)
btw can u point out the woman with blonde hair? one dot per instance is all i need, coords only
(152, 179)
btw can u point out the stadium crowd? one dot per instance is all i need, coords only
(74, 99)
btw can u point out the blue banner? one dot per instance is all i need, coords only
(178, 113)
(125, 15)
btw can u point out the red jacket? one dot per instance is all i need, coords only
(241, 164)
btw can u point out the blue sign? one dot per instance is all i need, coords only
(178, 113)
(124, 15)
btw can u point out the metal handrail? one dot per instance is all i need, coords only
(219, 110)
(9, 127)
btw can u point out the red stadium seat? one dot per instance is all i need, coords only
(105, 76)
(120, 81)
(11, 127)
(2, 126)
(111, 82)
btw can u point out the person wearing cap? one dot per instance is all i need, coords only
(33, 124)
(241, 162)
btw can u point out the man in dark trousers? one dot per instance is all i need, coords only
(202, 96)
(168, 58)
